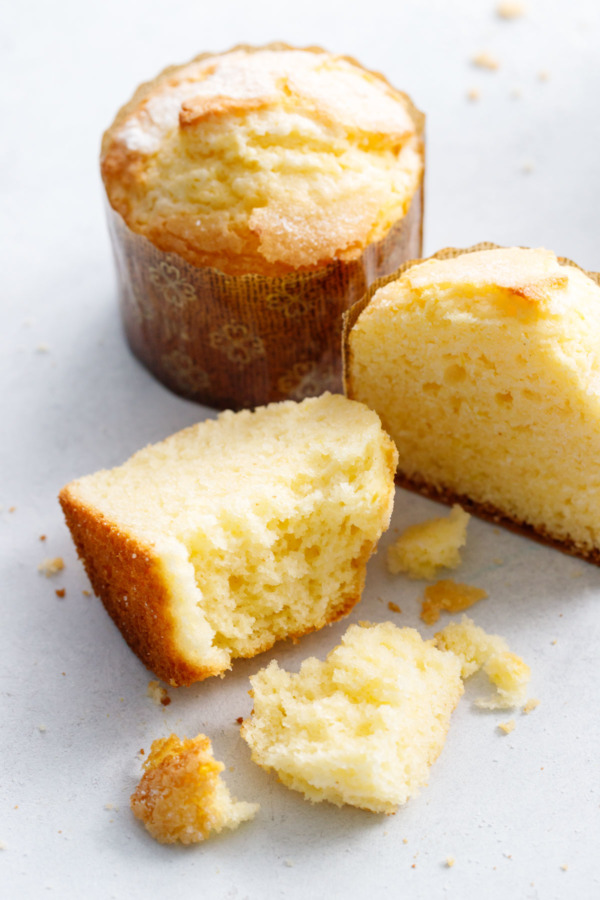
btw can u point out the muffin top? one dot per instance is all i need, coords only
(264, 160)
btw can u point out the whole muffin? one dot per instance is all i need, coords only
(297, 170)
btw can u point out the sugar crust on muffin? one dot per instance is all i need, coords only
(264, 160)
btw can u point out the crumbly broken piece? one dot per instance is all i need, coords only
(473, 94)
(423, 549)
(510, 9)
(158, 694)
(181, 798)
(51, 566)
(484, 60)
(450, 596)
(364, 726)
(478, 650)
(531, 704)
(507, 727)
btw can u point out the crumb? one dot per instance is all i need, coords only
(531, 704)
(141, 751)
(414, 866)
(2, 845)
(87, 593)
(473, 94)
(50, 567)
(527, 168)
(42, 537)
(239, 720)
(478, 650)
(507, 727)
(288, 863)
(485, 60)
(12, 509)
(510, 9)
(60, 592)
(448, 595)
(108, 806)
(564, 867)
(424, 548)
(181, 797)
(43, 348)
(157, 694)
(553, 642)
(393, 607)
(516, 93)
(498, 561)
(405, 840)
(41, 728)
(450, 861)
(544, 75)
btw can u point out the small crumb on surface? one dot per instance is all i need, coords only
(108, 806)
(516, 93)
(553, 642)
(393, 607)
(87, 593)
(2, 845)
(42, 348)
(473, 94)
(239, 720)
(498, 561)
(424, 548)
(141, 751)
(405, 840)
(450, 596)
(450, 861)
(531, 704)
(41, 728)
(60, 592)
(157, 694)
(484, 60)
(507, 727)
(51, 566)
(510, 9)
(42, 537)
(564, 867)
(544, 75)
(289, 863)
(527, 168)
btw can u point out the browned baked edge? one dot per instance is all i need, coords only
(126, 576)
(491, 513)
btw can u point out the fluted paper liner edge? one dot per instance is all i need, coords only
(484, 511)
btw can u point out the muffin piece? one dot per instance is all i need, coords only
(423, 549)
(364, 726)
(477, 650)
(237, 532)
(254, 196)
(181, 797)
(484, 368)
(264, 160)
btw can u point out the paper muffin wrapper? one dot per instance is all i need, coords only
(483, 510)
(243, 341)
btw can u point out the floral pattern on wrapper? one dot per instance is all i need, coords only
(238, 343)
(180, 366)
(171, 285)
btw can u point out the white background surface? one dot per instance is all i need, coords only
(511, 809)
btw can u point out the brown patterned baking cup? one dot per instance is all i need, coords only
(233, 342)
(442, 495)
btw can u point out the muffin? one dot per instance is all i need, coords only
(253, 196)
(484, 365)
(237, 532)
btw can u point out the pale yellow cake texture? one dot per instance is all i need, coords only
(181, 797)
(361, 728)
(477, 650)
(236, 532)
(262, 158)
(485, 370)
(423, 549)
